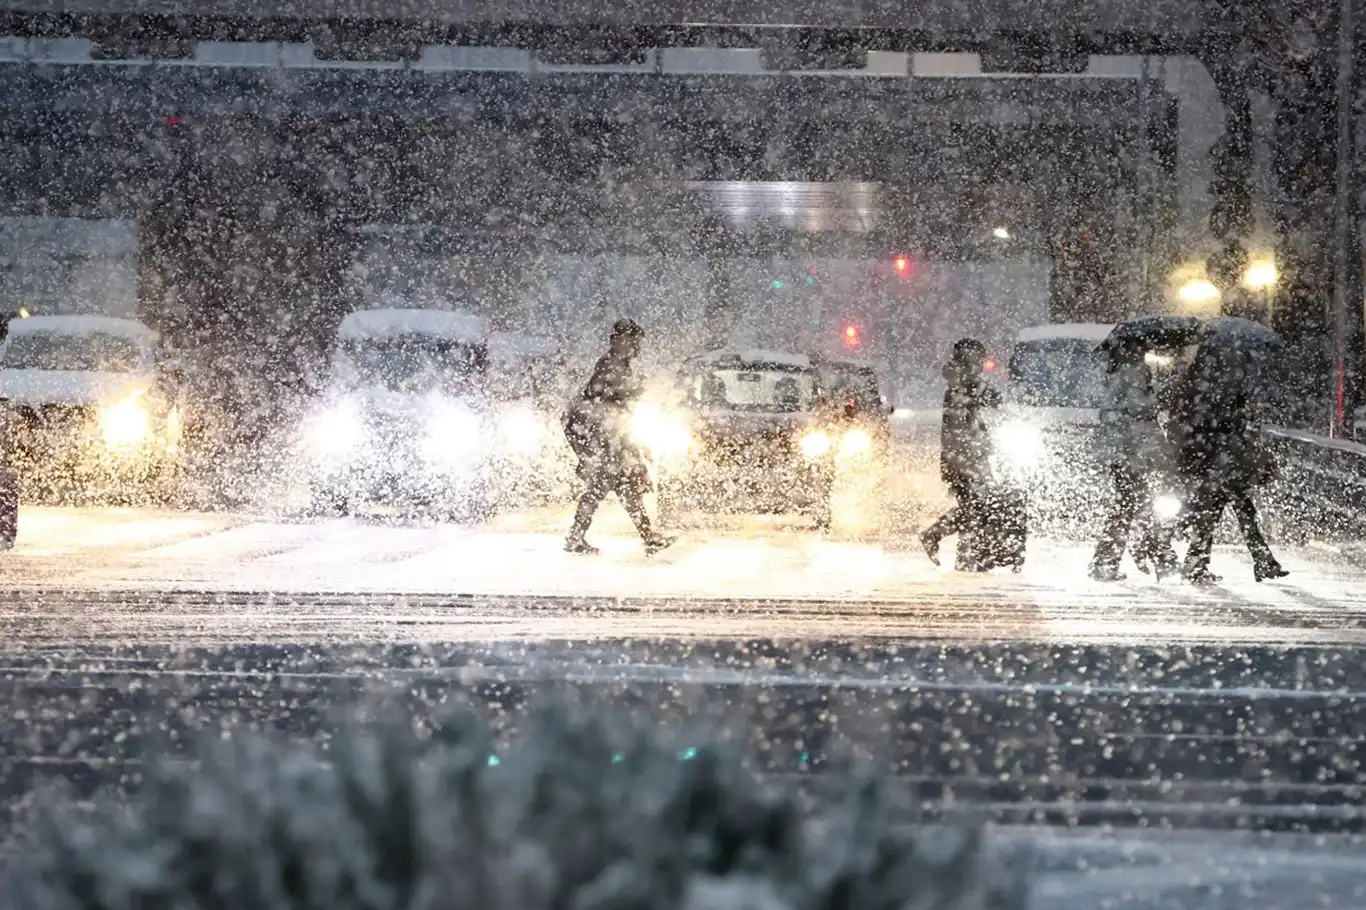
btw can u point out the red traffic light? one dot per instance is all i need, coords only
(851, 335)
(901, 265)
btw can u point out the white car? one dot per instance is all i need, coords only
(1045, 436)
(89, 406)
(404, 418)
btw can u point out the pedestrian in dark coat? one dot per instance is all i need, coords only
(964, 444)
(1135, 450)
(597, 426)
(1221, 462)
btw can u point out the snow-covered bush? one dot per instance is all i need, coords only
(571, 815)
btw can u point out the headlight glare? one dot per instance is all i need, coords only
(1166, 507)
(1020, 442)
(661, 435)
(815, 444)
(521, 431)
(855, 443)
(126, 423)
(339, 430)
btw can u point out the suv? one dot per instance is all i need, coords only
(750, 431)
(404, 417)
(91, 407)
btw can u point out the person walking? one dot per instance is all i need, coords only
(597, 427)
(1134, 447)
(964, 446)
(1222, 460)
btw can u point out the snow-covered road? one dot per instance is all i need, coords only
(511, 579)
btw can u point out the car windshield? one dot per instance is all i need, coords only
(77, 352)
(413, 363)
(858, 386)
(757, 389)
(1059, 373)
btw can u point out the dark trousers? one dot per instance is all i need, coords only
(961, 517)
(1131, 503)
(599, 481)
(1207, 507)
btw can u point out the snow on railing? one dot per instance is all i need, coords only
(1322, 488)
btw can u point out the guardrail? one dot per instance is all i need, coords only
(1322, 489)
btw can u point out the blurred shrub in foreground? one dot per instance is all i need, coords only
(568, 816)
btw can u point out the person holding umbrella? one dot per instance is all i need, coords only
(1220, 456)
(1135, 450)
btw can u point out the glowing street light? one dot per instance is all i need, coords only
(1198, 291)
(1261, 275)
(1001, 233)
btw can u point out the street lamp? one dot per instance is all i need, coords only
(1261, 276)
(1001, 233)
(1198, 292)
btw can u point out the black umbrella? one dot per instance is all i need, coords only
(1154, 333)
(1244, 353)
(1242, 334)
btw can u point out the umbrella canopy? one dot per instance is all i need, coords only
(1236, 332)
(1154, 333)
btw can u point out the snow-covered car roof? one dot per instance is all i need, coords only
(506, 344)
(754, 356)
(83, 324)
(455, 325)
(1078, 331)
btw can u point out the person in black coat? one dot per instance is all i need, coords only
(964, 444)
(1221, 461)
(598, 429)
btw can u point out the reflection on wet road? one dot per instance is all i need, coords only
(1041, 695)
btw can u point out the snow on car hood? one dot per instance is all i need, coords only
(35, 387)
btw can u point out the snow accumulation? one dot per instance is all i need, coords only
(1078, 331)
(757, 356)
(456, 325)
(83, 324)
(506, 345)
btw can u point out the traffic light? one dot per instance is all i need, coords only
(902, 265)
(852, 335)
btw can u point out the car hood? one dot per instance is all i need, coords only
(1054, 417)
(40, 387)
(382, 403)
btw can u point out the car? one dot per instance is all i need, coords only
(1045, 435)
(93, 406)
(404, 419)
(747, 430)
(855, 388)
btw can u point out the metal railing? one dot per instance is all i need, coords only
(1321, 492)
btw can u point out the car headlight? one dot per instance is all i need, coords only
(663, 436)
(337, 431)
(1020, 442)
(521, 431)
(127, 423)
(1166, 507)
(452, 437)
(815, 444)
(855, 443)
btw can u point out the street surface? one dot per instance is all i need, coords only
(78, 572)
(1039, 697)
